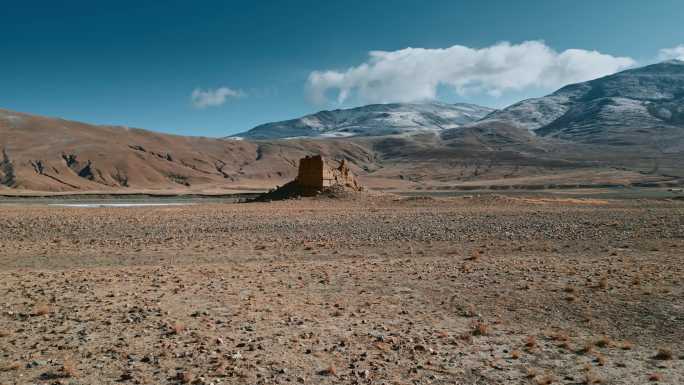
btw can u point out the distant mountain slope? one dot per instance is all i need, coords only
(642, 106)
(48, 154)
(621, 129)
(372, 120)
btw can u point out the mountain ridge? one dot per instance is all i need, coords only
(371, 120)
(622, 129)
(626, 108)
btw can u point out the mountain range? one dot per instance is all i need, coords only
(633, 107)
(626, 128)
(372, 120)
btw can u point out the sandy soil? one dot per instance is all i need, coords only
(482, 290)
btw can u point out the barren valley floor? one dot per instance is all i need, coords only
(386, 290)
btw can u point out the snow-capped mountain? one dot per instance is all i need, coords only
(637, 106)
(372, 120)
(641, 106)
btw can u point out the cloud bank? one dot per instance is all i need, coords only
(415, 74)
(672, 53)
(213, 97)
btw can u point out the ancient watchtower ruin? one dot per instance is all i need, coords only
(315, 173)
(316, 177)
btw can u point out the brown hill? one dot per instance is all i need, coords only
(55, 155)
(47, 154)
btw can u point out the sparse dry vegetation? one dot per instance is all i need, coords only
(329, 371)
(590, 378)
(664, 354)
(480, 328)
(530, 342)
(531, 372)
(177, 327)
(10, 367)
(600, 359)
(185, 377)
(587, 348)
(299, 291)
(546, 379)
(565, 345)
(69, 368)
(626, 345)
(604, 342)
(41, 309)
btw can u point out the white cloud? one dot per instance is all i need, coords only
(414, 74)
(213, 97)
(672, 53)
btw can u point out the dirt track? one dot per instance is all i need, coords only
(494, 290)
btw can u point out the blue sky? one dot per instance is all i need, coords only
(137, 63)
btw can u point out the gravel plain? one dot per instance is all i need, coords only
(381, 290)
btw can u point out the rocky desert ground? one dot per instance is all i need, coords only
(496, 289)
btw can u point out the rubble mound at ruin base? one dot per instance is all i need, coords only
(292, 190)
(316, 178)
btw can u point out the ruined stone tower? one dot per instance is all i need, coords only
(314, 172)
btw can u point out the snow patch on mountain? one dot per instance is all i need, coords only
(630, 107)
(372, 120)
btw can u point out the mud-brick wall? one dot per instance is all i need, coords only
(311, 170)
(328, 176)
